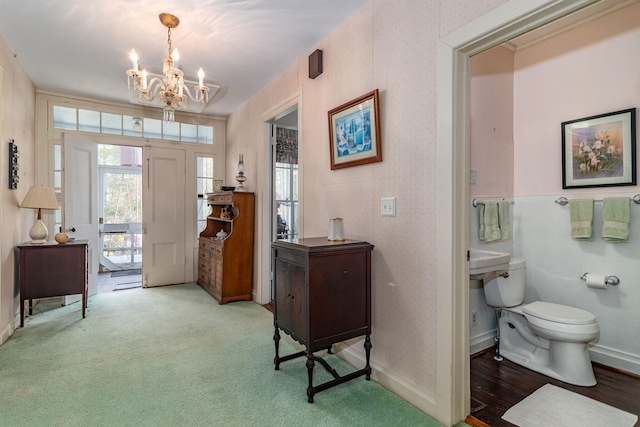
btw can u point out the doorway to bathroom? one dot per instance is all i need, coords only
(480, 337)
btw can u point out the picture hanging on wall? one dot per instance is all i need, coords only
(354, 132)
(599, 151)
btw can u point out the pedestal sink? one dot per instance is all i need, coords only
(481, 262)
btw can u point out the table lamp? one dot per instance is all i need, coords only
(40, 198)
(241, 178)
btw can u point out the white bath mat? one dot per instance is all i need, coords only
(557, 407)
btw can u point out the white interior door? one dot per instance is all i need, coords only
(81, 200)
(163, 216)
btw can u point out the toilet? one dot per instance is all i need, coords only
(545, 337)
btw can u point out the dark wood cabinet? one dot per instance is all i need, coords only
(50, 270)
(225, 265)
(322, 296)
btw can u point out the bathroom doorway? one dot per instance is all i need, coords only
(474, 334)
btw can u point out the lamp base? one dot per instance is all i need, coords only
(38, 232)
(241, 179)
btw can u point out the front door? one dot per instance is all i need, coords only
(81, 200)
(163, 217)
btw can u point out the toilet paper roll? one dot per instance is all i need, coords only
(596, 281)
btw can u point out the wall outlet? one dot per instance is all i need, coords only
(388, 206)
(474, 318)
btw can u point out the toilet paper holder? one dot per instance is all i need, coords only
(610, 280)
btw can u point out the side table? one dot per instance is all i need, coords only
(322, 296)
(50, 270)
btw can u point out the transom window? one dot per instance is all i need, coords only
(69, 118)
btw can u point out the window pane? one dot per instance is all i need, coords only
(64, 118)
(205, 134)
(89, 121)
(295, 182)
(132, 126)
(171, 131)
(203, 211)
(189, 132)
(130, 156)
(204, 175)
(152, 128)
(109, 155)
(112, 123)
(57, 157)
(122, 197)
(204, 185)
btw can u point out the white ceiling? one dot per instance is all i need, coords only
(82, 47)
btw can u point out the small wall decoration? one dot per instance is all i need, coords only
(354, 132)
(599, 151)
(13, 165)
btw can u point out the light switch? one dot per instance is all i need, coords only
(388, 206)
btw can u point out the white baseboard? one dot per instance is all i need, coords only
(615, 358)
(7, 331)
(482, 341)
(410, 392)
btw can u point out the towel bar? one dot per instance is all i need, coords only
(562, 201)
(475, 202)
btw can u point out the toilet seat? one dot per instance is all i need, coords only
(558, 313)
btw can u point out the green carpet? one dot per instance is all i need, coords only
(172, 356)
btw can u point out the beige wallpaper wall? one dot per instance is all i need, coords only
(389, 45)
(17, 95)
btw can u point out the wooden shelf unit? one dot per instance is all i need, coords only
(225, 266)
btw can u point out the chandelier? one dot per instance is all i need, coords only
(170, 88)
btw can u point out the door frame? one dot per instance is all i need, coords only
(263, 285)
(454, 50)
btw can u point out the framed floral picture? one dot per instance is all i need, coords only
(354, 132)
(599, 151)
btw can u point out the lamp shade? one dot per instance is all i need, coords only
(40, 198)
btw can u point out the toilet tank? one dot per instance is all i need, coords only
(506, 292)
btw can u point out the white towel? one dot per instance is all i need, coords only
(504, 219)
(491, 221)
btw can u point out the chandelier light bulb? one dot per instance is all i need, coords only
(144, 79)
(175, 55)
(134, 60)
(200, 76)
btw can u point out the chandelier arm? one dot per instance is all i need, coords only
(201, 93)
(154, 86)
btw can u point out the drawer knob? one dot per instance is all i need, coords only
(345, 271)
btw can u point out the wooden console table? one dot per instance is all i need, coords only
(50, 270)
(322, 296)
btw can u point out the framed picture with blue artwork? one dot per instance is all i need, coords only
(599, 151)
(354, 132)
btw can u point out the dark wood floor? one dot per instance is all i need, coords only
(497, 386)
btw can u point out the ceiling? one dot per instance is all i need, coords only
(82, 47)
